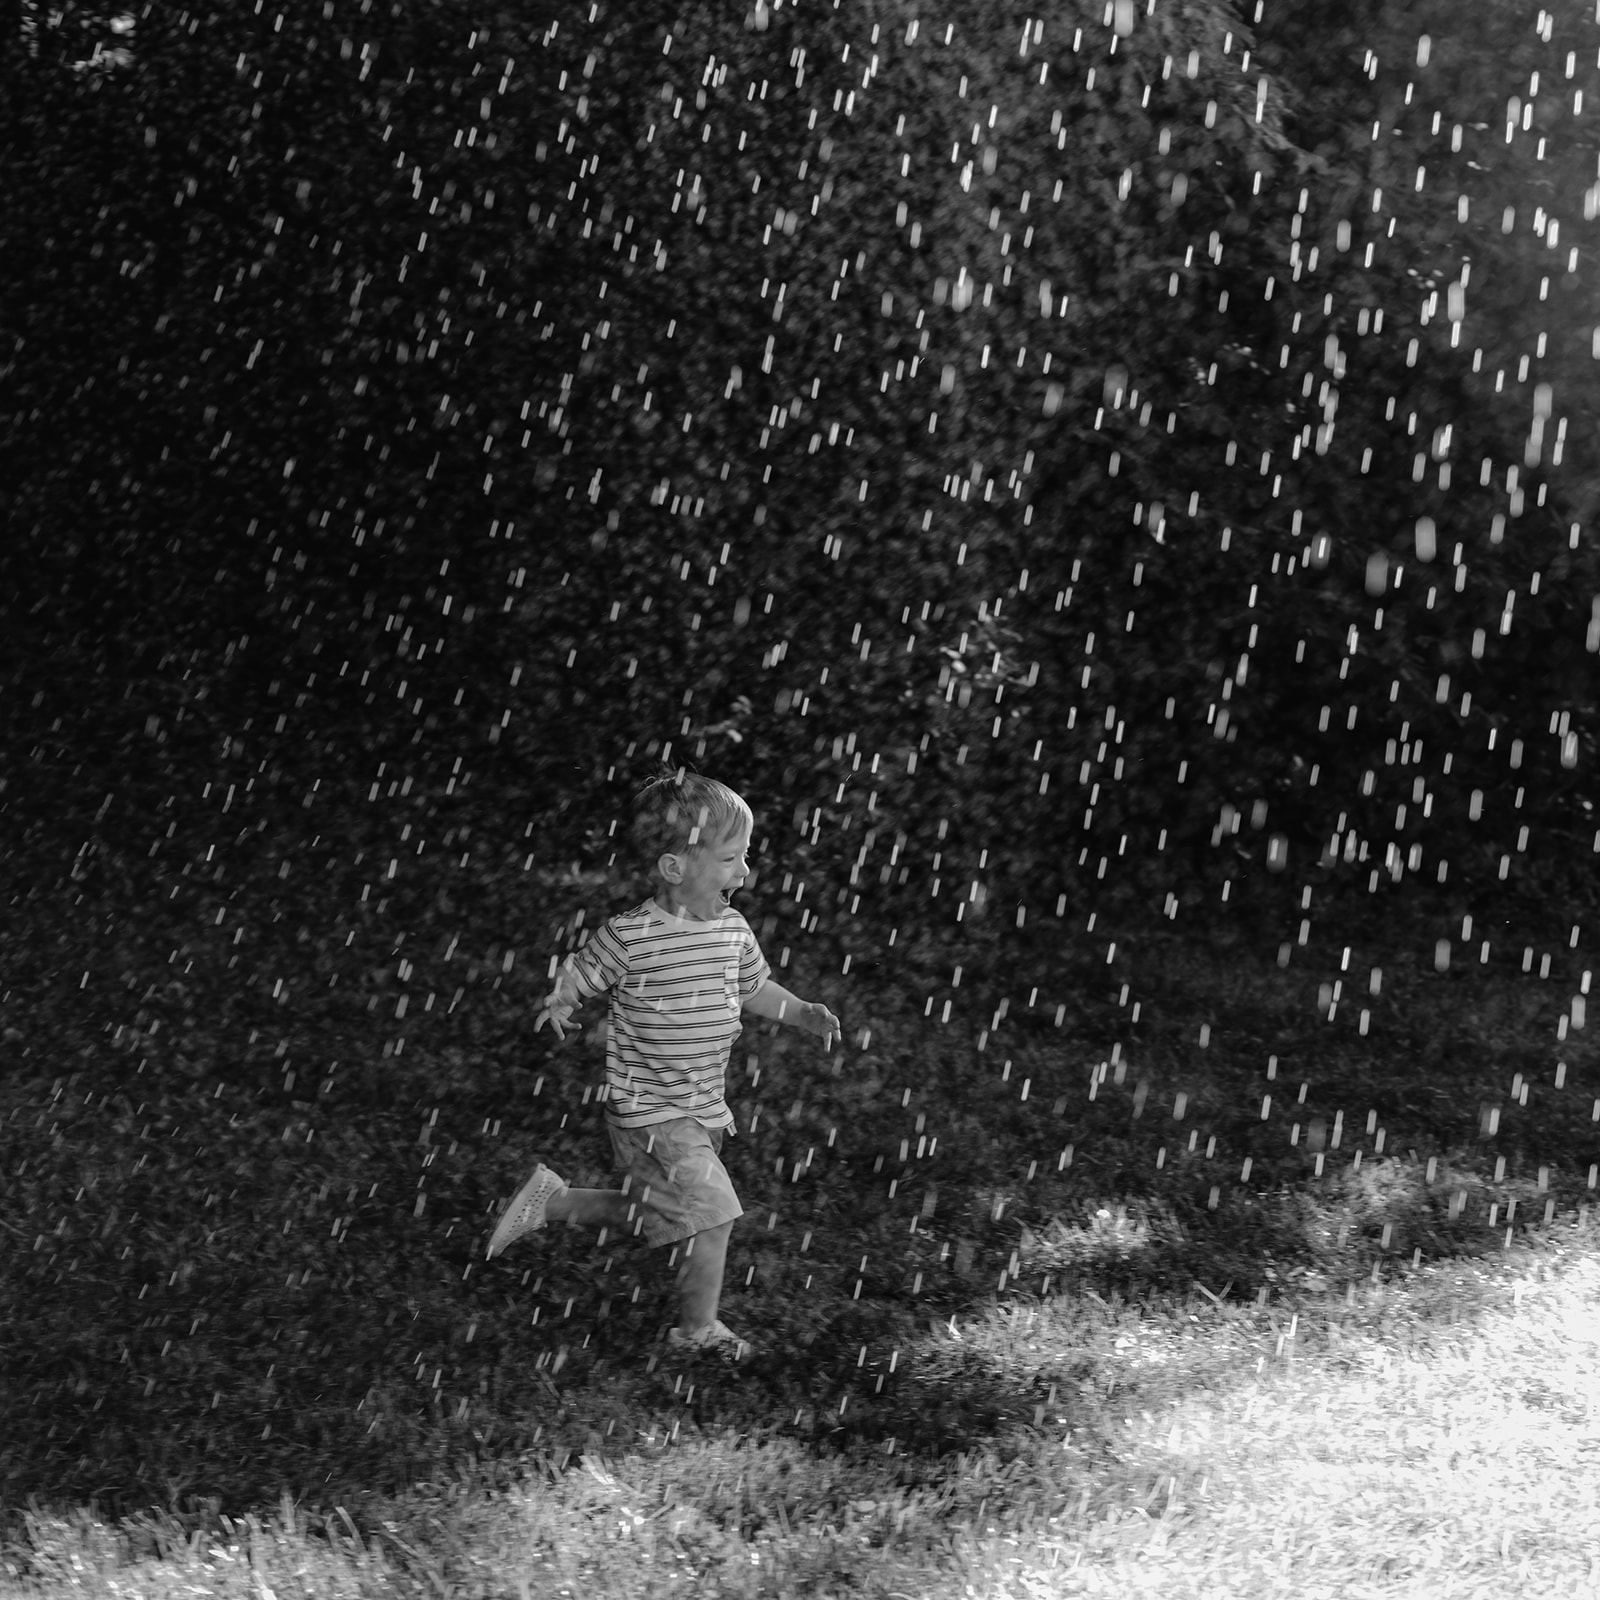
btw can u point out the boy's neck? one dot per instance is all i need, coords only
(675, 908)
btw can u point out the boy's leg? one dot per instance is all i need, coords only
(704, 1259)
(594, 1208)
(686, 1195)
(547, 1198)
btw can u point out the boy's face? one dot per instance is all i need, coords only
(702, 880)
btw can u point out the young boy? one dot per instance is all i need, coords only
(679, 967)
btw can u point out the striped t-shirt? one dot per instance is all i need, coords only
(677, 985)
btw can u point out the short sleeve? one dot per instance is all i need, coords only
(603, 962)
(753, 968)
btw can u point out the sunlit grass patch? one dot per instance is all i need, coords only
(156, 1556)
(1110, 1232)
(1434, 1435)
(1408, 1449)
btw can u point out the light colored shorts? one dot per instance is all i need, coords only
(675, 1173)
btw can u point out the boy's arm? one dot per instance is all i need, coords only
(590, 971)
(773, 1001)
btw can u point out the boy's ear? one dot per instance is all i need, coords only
(670, 867)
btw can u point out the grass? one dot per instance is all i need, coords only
(1435, 1435)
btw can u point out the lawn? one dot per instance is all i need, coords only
(1432, 1435)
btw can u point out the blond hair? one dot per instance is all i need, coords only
(678, 811)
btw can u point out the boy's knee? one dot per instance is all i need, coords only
(708, 1238)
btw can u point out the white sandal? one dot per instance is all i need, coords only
(525, 1214)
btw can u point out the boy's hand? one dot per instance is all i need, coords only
(777, 1004)
(557, 1011)
(818, 1019)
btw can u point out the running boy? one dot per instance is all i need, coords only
(679, 967)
